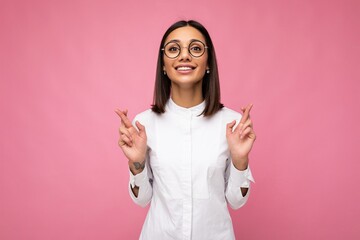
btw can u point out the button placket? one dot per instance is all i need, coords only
(187, 203)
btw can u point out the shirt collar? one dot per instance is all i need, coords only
(195, 110)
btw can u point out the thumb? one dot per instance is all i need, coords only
(229, 127)
(141, 128)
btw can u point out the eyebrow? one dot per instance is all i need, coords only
(177, 40)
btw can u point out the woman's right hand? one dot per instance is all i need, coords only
(132, 142)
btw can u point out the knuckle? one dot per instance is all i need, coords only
(123, 137)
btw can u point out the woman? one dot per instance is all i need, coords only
(189, 153)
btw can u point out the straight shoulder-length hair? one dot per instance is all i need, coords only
(210, 83)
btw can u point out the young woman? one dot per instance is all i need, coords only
(188, 154)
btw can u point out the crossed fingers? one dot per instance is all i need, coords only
(125, 129)
(124, 120)
(245, 126)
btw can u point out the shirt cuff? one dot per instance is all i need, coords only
(240, 178)
(138, 179)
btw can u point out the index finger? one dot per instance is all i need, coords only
(246, 113)
(124, 119)
(125, 113)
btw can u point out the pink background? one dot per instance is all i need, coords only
(65, 67)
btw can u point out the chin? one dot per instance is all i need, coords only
(186, 78)
(187, 83)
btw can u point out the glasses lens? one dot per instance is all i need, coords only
(197, 48)
(172, 50)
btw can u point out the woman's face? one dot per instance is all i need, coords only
(185, 70)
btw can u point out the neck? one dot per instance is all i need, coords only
(187, 97)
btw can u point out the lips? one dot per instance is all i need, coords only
(185, 68)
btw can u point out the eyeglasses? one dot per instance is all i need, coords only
(196, 49)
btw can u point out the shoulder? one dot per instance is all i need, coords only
(229, 114)
(145, 117)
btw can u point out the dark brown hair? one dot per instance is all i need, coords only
(210, 84)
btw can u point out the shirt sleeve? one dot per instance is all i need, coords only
(234, 180)
(144, 181)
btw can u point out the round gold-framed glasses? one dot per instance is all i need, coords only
(172, 49)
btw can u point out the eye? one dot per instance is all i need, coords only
(196, 48)
(173, 49)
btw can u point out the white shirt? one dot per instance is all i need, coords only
(189, 177)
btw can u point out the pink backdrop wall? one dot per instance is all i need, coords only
(66, 65)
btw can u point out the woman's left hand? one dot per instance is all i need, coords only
(241, 140)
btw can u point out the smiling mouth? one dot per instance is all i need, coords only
(184, 68)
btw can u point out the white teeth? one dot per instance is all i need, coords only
(184, 68)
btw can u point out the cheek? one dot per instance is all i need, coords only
(205, 59)
(167, 63)
(203, 63)
(167, 66)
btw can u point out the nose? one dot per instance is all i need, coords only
(184, 54)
